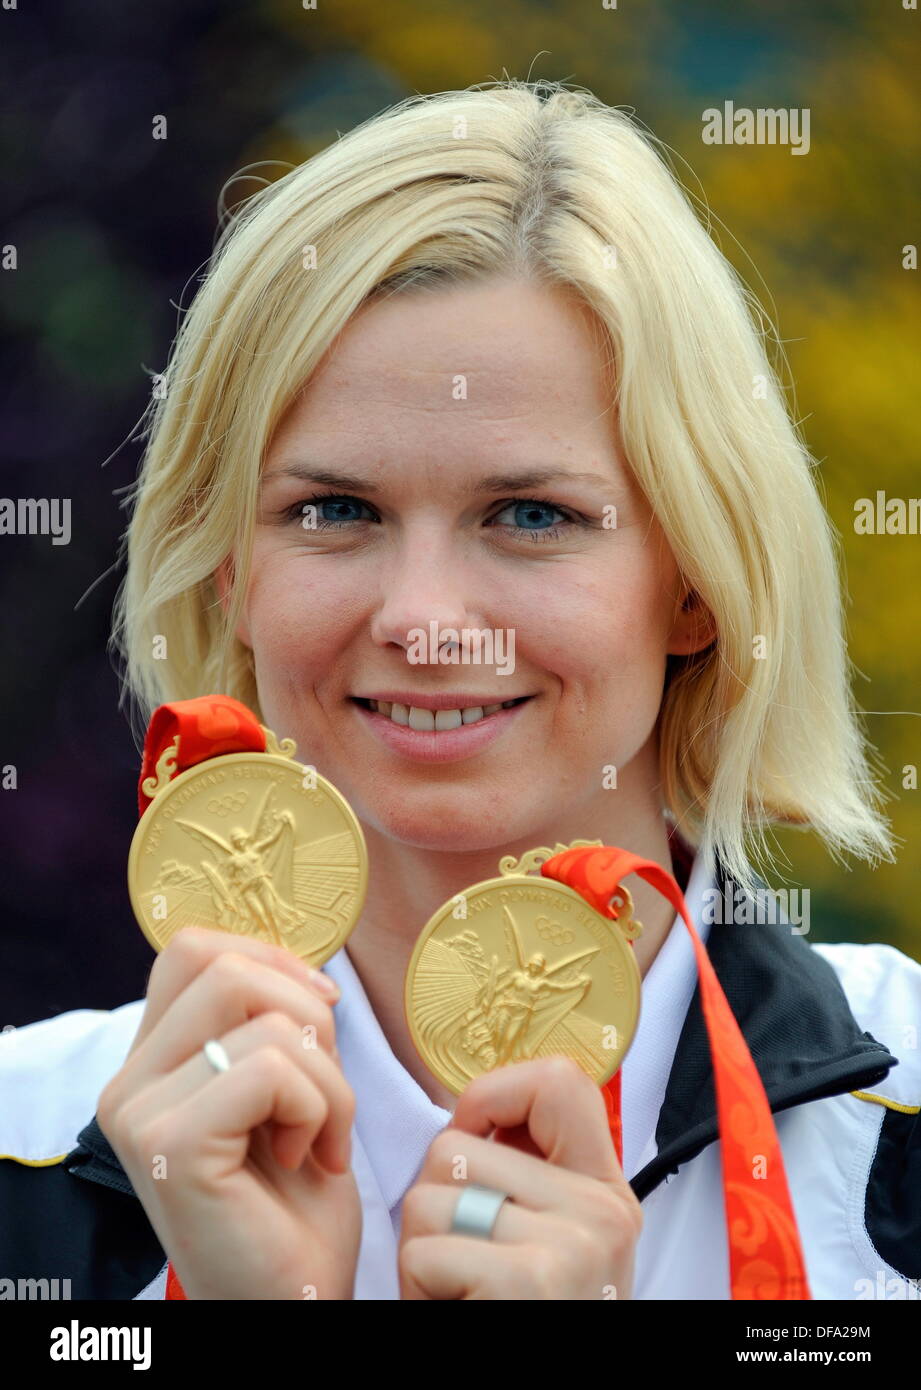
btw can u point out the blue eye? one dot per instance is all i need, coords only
(525, 510)
(322, 500)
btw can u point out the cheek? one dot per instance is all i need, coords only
(599, 623)
(295, 616)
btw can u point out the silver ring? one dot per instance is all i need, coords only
(477, 1209)
(214, 1051)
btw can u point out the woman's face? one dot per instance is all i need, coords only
(438, 409)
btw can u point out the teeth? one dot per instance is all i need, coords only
(428, 721)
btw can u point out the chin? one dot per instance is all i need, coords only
(444, 830)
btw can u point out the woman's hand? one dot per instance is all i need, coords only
(244, 1174)
(570, 1231)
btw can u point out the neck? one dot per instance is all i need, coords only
(410, 884)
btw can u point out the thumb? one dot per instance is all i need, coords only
(547, 1106)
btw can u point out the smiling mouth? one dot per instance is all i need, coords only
(434, 721)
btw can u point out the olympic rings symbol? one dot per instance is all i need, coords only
(553, 931)
(226, 805)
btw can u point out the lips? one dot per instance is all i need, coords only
(446, 744)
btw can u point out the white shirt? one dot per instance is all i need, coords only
(395, 1121)
(844, 1179)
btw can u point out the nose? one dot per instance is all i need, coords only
(425, 580)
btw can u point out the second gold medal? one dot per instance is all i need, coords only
(518, 967)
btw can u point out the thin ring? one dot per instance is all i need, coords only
(477, 1210)
(216, 1055)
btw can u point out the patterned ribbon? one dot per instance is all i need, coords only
(765, 1256)
(207, 727)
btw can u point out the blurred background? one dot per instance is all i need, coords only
(111, 228)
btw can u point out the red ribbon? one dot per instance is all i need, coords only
(765, 1255)
(207, 727)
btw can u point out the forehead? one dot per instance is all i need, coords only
(487, 363)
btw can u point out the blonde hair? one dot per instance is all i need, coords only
(548, 182)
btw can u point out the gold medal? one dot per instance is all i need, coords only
(518, 967)
(253, 843)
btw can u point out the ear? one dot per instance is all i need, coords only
(694, 626)
(223, 580)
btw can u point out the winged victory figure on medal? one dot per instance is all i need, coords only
(476, 1013)
(250, 878)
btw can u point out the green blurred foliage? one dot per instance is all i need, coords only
(817, 237)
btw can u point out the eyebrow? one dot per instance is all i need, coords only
(492, 482)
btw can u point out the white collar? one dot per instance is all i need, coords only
(396, 1121)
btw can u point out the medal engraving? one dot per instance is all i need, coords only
(250, 843)
(519, 967)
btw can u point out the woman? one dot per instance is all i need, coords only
(478, 366)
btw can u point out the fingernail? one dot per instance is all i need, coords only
(324, 984)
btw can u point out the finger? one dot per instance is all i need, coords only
(459, 1267)
(557, 1102)
(329, 1138)
(208, 1134)
(456, 1158)
(191, 951)
(429, 1209)
(232, 988)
